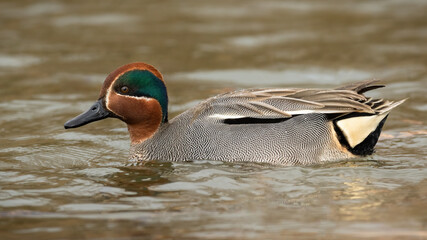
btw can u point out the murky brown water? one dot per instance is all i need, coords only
(57, 184)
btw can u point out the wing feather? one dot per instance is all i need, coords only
(284, 103)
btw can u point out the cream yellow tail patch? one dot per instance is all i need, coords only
(356, 129)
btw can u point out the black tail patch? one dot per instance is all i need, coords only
(367, 146)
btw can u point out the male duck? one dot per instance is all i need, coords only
(280, 126)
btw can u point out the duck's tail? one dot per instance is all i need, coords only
(359, 132)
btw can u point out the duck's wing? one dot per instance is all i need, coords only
(282, 103)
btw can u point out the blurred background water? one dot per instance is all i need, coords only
(57, 184)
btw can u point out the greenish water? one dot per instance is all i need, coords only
(58, 184)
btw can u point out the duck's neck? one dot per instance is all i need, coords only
(142, 131)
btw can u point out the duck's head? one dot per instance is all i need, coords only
(136, 94)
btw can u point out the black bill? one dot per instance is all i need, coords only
(95, 113)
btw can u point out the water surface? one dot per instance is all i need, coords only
(77, 184)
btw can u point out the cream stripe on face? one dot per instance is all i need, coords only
(110, 88)
(115, 79)
(107, 96)
(134, 97)
(107, 102)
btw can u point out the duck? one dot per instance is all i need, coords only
(281, 126)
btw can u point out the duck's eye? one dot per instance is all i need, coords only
(124, 89)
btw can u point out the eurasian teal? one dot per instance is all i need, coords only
(288, 126)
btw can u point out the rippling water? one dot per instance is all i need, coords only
(57, 184)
